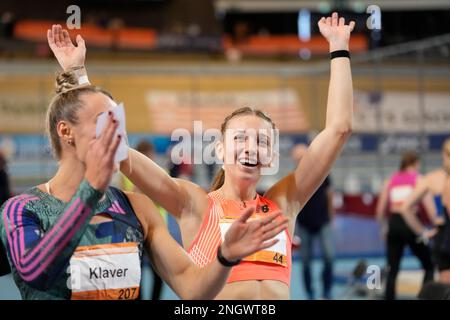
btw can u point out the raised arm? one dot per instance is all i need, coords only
(173, 264)
(178, 197)
(316, 163)
(68, 55)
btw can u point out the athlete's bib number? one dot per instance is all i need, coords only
(105, 272)
(400, 193)
(275, 254)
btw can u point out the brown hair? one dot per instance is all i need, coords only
(65, 106)
(219, 179)
(408, 159)
(145, 147)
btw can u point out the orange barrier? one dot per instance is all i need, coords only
(140, 38)
(290, 44)
(135, 38)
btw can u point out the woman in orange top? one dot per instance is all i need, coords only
(204, 217)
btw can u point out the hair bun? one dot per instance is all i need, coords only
(66, 81)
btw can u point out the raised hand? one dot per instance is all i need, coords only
(247, 237)
(336, 31)
(67, 54)
(99, 158)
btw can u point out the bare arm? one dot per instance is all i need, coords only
(315, 165)
(430, 209)
(417, 195)
(408, 211)
(176, 267)
(382, 203)
(177, 196)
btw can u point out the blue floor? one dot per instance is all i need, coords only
(343, 269)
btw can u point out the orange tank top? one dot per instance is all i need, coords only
(273, 263)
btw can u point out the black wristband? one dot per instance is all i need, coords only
(225, 262)
(339, 53)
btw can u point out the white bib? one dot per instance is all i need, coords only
(276, 254)
(105, 272)
(399, 194)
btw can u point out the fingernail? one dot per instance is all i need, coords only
(114, 120)
(119, 136)
(109, 112)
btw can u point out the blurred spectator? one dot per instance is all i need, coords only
(4, 264)
(5, 193)
(193, 30)
(241, 32)
(115, 25)
(184, 170)
(314, 222)
(395, 192)
(7, 23)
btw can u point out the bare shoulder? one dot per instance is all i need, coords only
(435, 175)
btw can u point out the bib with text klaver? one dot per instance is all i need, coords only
(105, 272)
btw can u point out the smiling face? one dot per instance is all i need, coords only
(246, 148)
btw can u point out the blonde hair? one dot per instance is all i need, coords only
(219, 179)
(65, 106)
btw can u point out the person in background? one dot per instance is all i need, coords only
(5, 191)
(433, 183)
(394, 193)
(5, 194)
(183, 170)
(314, 222)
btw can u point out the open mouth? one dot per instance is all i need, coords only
(248, 164)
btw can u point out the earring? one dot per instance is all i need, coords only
(70, 142)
